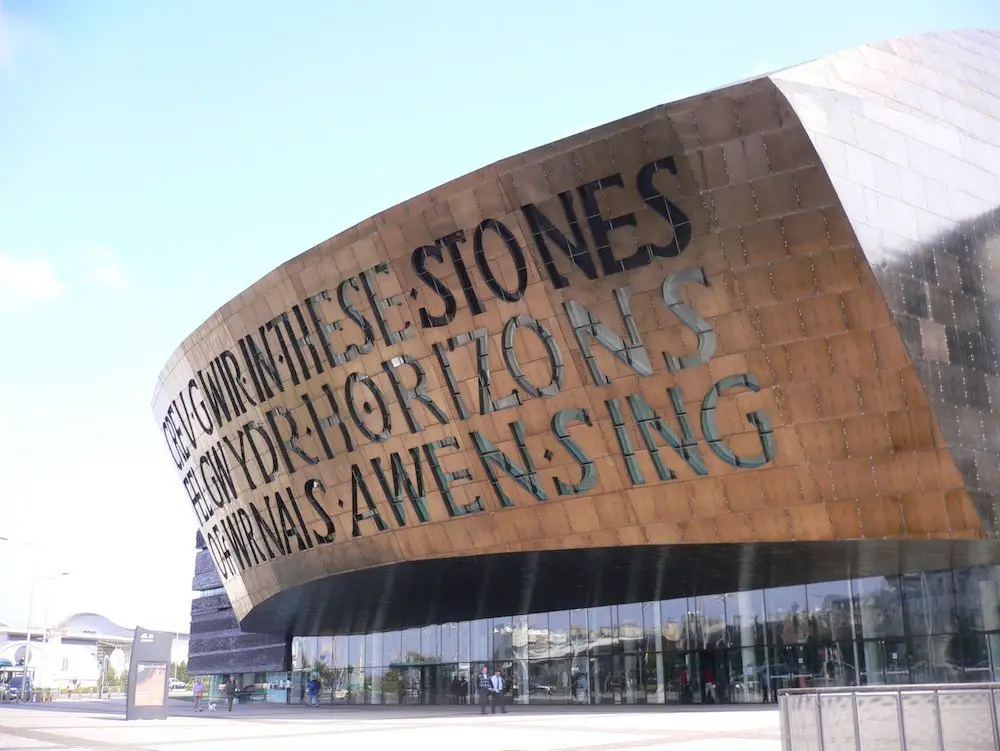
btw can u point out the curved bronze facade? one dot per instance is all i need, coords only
(730, 340)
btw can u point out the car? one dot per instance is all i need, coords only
(176, 685)
(13, 691)
(535, 687)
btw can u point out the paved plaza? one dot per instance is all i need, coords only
(101, 726)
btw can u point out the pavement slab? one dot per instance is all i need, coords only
(101, 726)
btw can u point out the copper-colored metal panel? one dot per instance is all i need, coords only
(503, 364)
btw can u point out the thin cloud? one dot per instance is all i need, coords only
(18, 37)
(105, 269)
(10, 34)
(6, 38)
(26, 282)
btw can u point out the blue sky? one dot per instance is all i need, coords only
(157, 158)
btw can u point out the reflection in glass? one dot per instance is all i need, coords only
(480, 638)
(787, 622)
(929, 602)
(323, 666)
(936, 659)
(829, 609)
(411, 645)
(324, 652)
(559, 638)
(601, 626)
(392, 646)
(449, 642)
(675, 625)
(976, 601)
(430, 647)
(373, 650)
(537, 636)
(308, 652)
(578, 632)
(630, 631)
(580, 646)
(935, 627)
(464, 642)
(886, 662)
(842, 664)
(712, 619)
(373, 686)
(993, 642)
(652, 627)
(974, 658)
(522, 640)
(338, 651)
(550, 681)
(356, 651)
(879, 608)
(503, 641)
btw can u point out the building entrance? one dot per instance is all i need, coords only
(712, 671)
(717, 676)
(431, 684)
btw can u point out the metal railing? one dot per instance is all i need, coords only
(911, 717)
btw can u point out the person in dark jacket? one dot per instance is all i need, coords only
(483, 687)
(231, 692)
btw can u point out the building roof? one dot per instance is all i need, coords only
(82, 625)
(92, 624)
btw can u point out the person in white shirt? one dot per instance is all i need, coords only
(496, 692)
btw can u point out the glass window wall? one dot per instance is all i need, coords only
(739, 647)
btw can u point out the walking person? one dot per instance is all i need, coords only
(314, 687)
(483, 687)
(231, 692)
(708, 677)
(496, 686)
(199, 694)
(765, 682)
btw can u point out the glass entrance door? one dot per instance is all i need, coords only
(449, 684)
(604, 680)
(634, 684)
(432, 684)
(409, 687)
(728, 677)
(790, 669)
(715, 676)
(886, 662)
(689, 679)
(712, 674)
(429, 688)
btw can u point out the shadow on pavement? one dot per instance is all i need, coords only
(115, 709)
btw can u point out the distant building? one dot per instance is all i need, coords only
(75, 649)
(218, 647)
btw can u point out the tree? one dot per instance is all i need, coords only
(324, 672)
(179, 670)
(111, 678)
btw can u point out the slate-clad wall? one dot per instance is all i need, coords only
(217, 645)
(909, 132)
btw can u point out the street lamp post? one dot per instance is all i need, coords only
(31, 605)
(45, 619)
